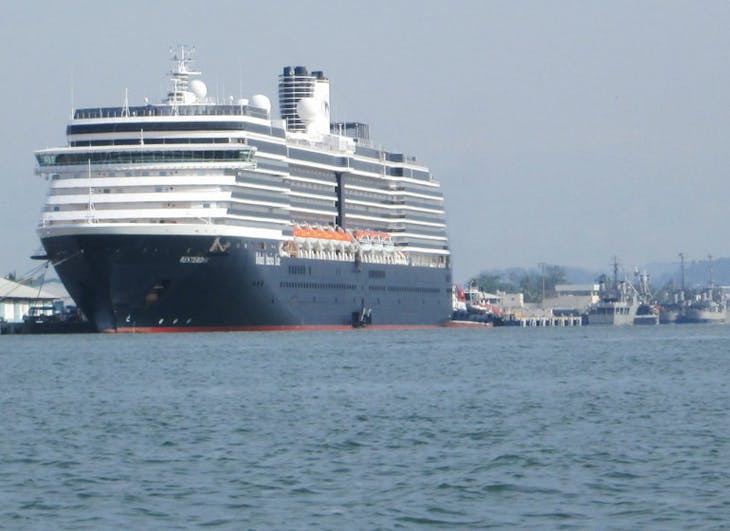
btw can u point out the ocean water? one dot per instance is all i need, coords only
(566, 428)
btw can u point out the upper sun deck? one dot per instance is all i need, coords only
(189, 115)
(153, 111)
(187, 97)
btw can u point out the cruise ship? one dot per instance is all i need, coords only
(194, 214)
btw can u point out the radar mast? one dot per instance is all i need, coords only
(180, 90)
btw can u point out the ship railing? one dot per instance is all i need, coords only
(331, 144)
(307, 250)
(170, 110)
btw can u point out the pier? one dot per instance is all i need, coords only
(539, 321)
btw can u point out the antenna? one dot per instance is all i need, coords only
(125, 107)
(709, 258)
(72, 93)
(681, 261)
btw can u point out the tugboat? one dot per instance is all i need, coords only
(52, 320)
(471, 307)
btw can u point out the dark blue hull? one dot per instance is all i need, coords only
(165, 283)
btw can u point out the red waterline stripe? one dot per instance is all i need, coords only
(260, 328)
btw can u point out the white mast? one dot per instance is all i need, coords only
(180, 91)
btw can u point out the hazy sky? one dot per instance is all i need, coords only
(562, 132)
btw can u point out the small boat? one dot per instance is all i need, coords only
(48, 320)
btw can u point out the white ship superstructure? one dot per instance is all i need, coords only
(189, 161)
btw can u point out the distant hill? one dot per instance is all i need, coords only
(696, 272)
(660, 273)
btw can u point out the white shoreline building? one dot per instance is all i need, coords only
(16, 300)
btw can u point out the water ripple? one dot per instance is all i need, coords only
(584, 428)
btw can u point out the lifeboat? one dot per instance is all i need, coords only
(340, 234)
(302, 231)
(336, 241)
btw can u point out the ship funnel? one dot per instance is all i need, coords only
(297, 84)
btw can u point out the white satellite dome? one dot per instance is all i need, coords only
(309, 109)
(198, 88)
(261, 101)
